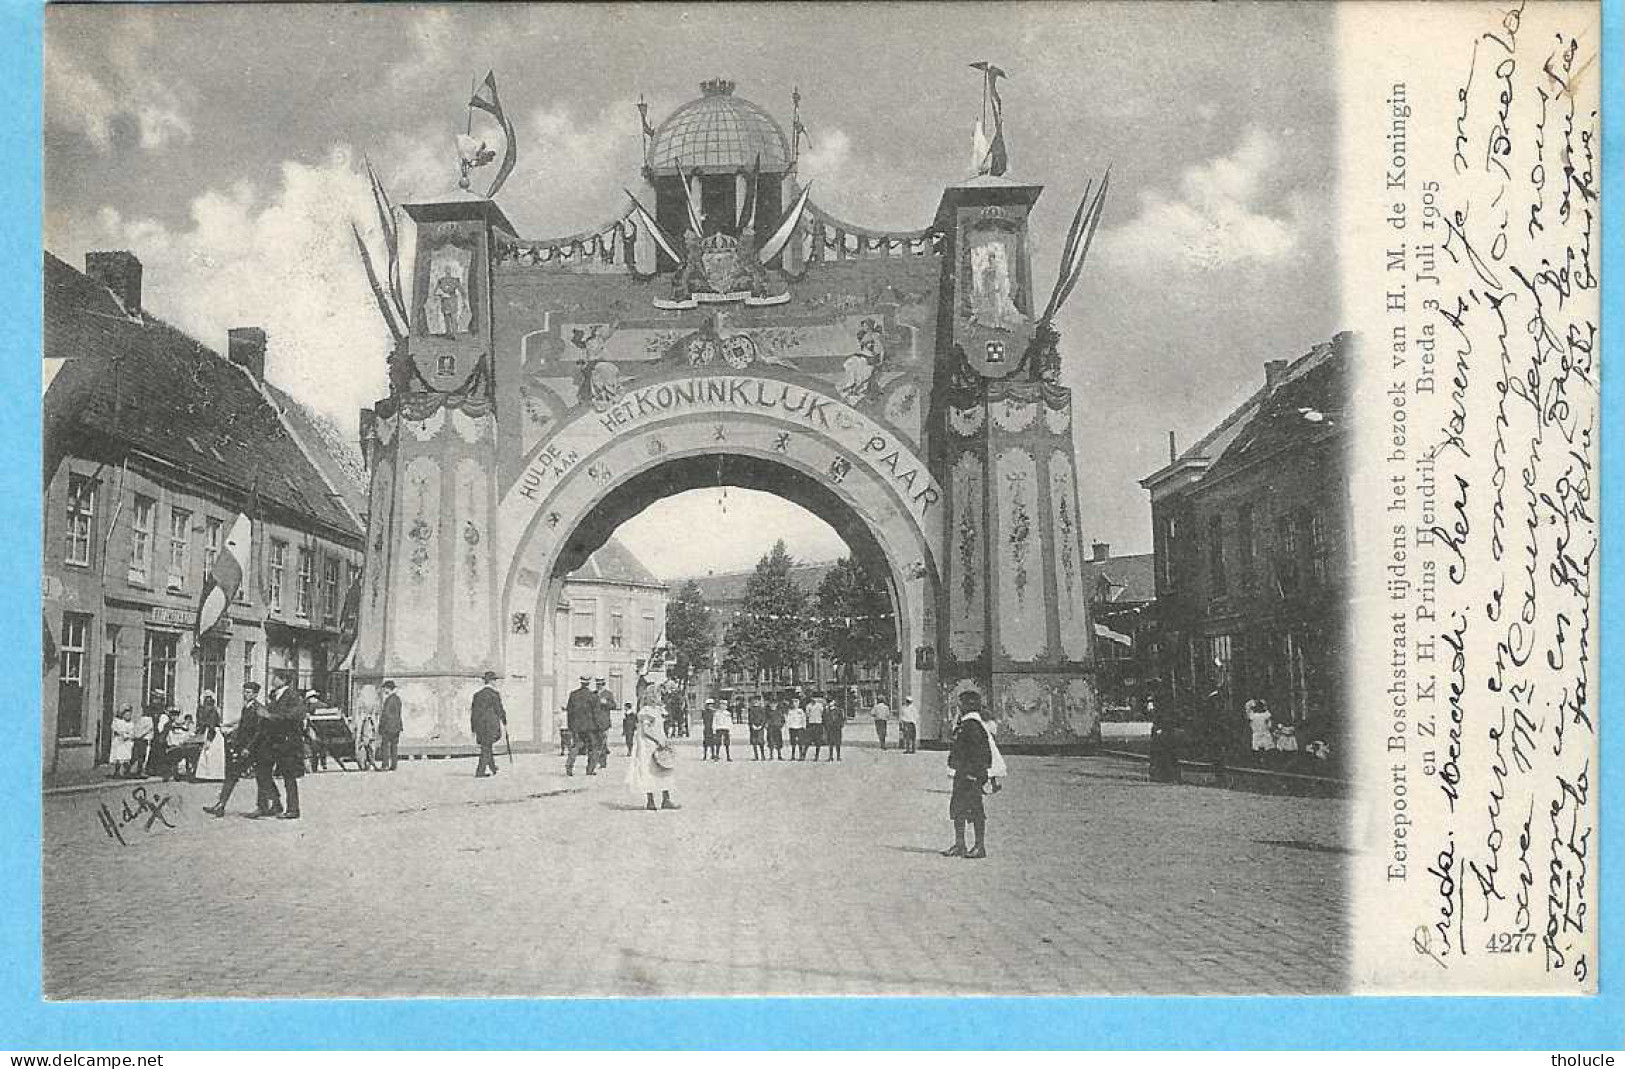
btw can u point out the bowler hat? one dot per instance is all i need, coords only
(489, 676)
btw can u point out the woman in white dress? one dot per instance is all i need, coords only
(1258, 720)
(122, 752)
(651, 768)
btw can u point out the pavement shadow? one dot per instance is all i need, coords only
(1300, 844)
(914, 850)
(624, 807)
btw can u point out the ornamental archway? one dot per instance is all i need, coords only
(786, 438)
(900, 384)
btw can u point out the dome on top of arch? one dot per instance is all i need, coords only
(718, 132)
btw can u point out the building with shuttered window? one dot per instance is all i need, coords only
(154, 444)
(1252, 552)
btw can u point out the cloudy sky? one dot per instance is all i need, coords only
(223, 145)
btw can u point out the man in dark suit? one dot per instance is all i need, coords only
(580, 713)
(280, 752)
(389, 728)
(487, 720)
(240, 760)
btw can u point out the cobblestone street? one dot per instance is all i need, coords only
(783, 878)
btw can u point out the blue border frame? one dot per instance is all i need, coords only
(1049, 1023)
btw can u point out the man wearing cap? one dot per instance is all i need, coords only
(812, 736)
(603, 720)
(486, 720)
(389, 728)
(721, 733)
(318, 751)
(708, 738)
(240, 743)
(795, 722)
(882, 714)
(280, 750)
(580, 710)
(908, 718)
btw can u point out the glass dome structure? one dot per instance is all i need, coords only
(718, 133)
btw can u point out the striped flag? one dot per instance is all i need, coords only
(226, 577)
(653, 227)
(997, 158)
(485, 98)
(349, 626)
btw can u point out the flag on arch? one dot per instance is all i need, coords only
(225, 578)
(485, 98)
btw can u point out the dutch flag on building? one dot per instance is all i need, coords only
(220, 586)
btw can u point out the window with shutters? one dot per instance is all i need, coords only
(307, 581)
(180, 532)
(142, 518)
(214, 533)
(81, 519)
(1217, 580)
(158, 658)
(211, 669)
(1244, 548)
(330, 590)
(70, 706)
(276, 574)
(584, 625)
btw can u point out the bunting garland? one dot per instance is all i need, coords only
(809, 618)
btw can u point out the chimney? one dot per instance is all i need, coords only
(246, 348)
(1274, 373)
(1173, 450)
(120, 272)
(1100, 550)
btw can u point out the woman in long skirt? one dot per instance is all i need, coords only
(645, 774)
(211, 760)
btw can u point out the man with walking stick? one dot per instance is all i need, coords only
(488, 721)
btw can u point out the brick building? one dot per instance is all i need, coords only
(1122, 599)
(153, 444)
(1252, 552)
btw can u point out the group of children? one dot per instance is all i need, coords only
(161, 740)
(1268, 736)
(806, 720)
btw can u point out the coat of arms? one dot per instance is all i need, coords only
(718, 268)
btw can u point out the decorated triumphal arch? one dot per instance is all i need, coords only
(724, 330)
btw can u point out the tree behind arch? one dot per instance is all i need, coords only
(770, 633)
(690, 631)
(855, 625)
